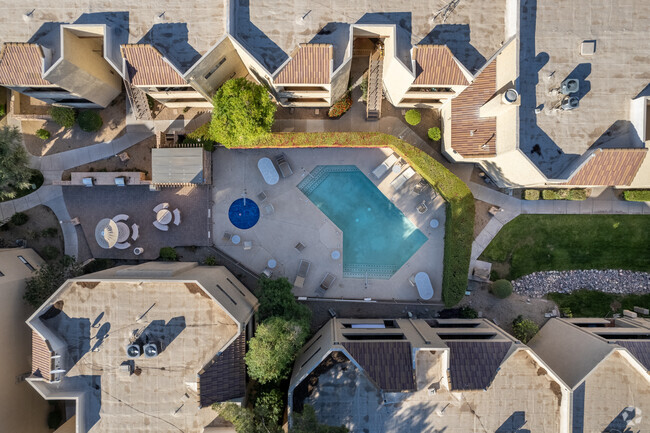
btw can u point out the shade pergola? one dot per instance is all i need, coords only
(106, 233)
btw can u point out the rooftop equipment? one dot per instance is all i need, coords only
(510, 96)
(150, 350)
(569, 86)
(570, 103)
(133, 351)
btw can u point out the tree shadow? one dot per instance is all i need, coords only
(171, 39)
(75, 331)
(163, 334)
(514, 423)
(457, 38)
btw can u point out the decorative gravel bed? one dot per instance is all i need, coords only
(538, 284)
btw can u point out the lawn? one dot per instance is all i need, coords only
(459, 224)
(590, 303)
(531, 243)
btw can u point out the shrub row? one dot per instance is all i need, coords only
(459, 226)
(556, 194)
(637, 195)
(88, 120)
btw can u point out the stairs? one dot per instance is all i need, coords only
(139, 103)
(375, 86)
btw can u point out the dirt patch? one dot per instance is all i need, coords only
(557, 390)
(541, 371)
(61, 139)
(88, 284)
(500, 270)
(41, 218)
(479, 177)
(481, 217)
(195, 288)
(139, 160)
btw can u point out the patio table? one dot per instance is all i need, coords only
(272, 263)
(434, 223)
(268, 171)
(235, 239)
(423, 284)
(164, 216)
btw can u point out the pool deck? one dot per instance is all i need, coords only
(296, 219)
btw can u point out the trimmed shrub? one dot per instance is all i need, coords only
(43, 134)
(501, 289)
(468, 313)
(168, 254)
(90, 121)
(434, 133)
(531, 194)
(19, 218)
(564, 194)
(50, 232)
(637, 195)
(341, 106)
(63, 116)
(50, 253)
(3, 110)
(524, 329)
(413, 117)
(210, 261)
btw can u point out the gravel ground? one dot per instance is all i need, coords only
(539, 284)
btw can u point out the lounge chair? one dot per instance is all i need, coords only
(401, 179)
(327, 282)
(299, 246)
(422, 207)
(122, 246)
(248, 245)
(268, 171)
(285, 168)
(162, 227)
(383, 168)
(177, 217)
(267, 272)
(303, 270)
(135, 232)
(160, 207)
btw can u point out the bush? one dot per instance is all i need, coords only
(3, 110)
(168, 254)
(90, 121)
(43, 134)
(48, 278)
(413, 117)
(524, 329)
(50, 253)
(531, 194)
(434, 133)
(210, 261)
(277, 300)
(208, 146)
(246, 420)
(270, 403)
(565, 194)
(63, 116)
(340, 107)
(50, 232)
(19, 218)
(637, 195)
(501, 289)
(468, 313)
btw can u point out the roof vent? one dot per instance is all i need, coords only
(150, 350)
(570, 85)
(510, 96)
(133, 351)
(570, 103)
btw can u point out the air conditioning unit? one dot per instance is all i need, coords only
(150, 350)
(569, 86)
(133, 351)
(570, 103)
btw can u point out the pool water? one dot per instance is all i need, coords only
(244, 213)
(377, 238)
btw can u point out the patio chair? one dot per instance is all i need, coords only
(261, 196)
(122, 246)
(401, 179)
(177, 217)
(303, 270)
(327, 282)
(227, 236)
(135, 232)
(383, 168)
(422, 207)
(285, 168)
(268, 209)
(161, 227)
(160, 207)
(300, 246)
(421, 186)
(267, 272)
(248, 245)
(120, 217)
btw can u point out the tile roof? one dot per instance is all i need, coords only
(22, 65)
(471, 134)
(435, 65)
(610, 167)
(311, 65)
(473, 365)
(388, 364)
(147, 67)
(640, 350)
(41, 357)
(225, 378)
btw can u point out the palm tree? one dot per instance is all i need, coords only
(15, 173)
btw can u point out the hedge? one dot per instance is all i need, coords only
(637, 195)
(459, 225)
(90, 121)
(564, 194)
(531, 194)
(63, 116)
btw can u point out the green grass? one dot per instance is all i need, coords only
(459, 226)
(531, 243)
(590, 303)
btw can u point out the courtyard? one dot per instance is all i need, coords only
(287, 218)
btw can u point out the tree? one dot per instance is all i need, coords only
(524, 329)
(48, 278)
(413, 117)
(63, 116)
(273, 349)
(168, 254)
(246, 420)
(434, 133)
(501, 289)
(90, 121)
(276, 299)
(306, 422)
(14, 172)
(243, 112)
(43, 134)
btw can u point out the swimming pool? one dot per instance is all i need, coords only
(377, 238)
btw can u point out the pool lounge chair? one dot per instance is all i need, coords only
(303, 270)
(327, 282)
(285, 168)
(268, 171)
(383, 168)
(300, 246)
(401, 179)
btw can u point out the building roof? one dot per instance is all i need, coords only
(436, 65)
(388, 364)
(312, 64)
(473, 365)
(22, 65)
(610, 167)
(471, 134)
(177, 166)
(41, 357)
(640, 350)
(225, 378)
(147, 67)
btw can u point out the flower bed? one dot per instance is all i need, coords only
(340, 107)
